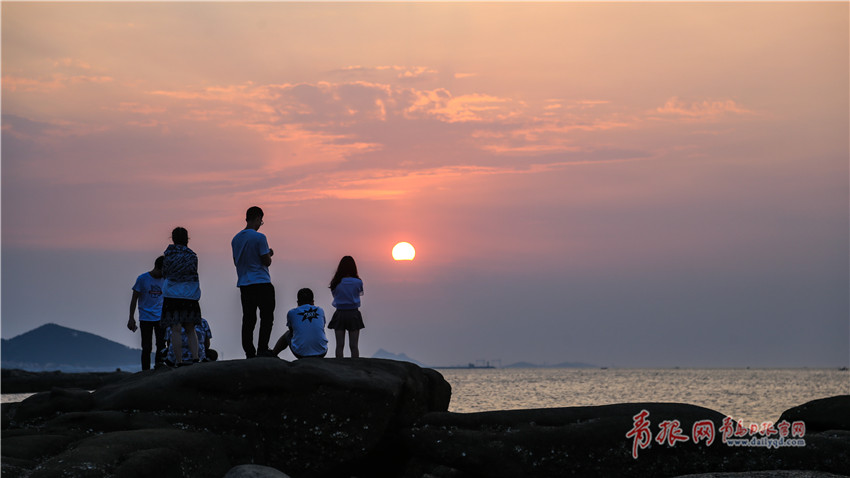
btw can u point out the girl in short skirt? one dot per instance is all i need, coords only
(347, 288)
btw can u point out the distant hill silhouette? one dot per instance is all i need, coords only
(53, 347)
(383, 354)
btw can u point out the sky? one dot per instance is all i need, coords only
(621, 184)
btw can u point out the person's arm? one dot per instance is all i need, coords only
(266, 258)
(131, 324)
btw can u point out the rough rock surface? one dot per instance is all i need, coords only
(372, 418)
(309, 417)
(21, 381)
(254, 471)
(767, 474)
(591, 441)
(831, 413)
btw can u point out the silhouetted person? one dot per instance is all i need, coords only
(147, 293)
(306, 334)
(252, 257)
(203, 334)
(347, 288)
(182, 292)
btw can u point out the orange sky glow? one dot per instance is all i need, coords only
(641, 169)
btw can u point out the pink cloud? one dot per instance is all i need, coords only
(331, 122)
(72, 63)
(145, 124)
(377, 184)
(440, 104)
(137, 108)
(705, 110)
(591, 103)
(317, 128)
(552, 132)
(52, 83)
(58, 75)
(400, 72)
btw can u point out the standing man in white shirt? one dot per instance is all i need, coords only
(252, 257)
(147, 293)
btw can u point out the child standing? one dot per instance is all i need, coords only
(347, 288)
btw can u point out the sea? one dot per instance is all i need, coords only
(751, 395)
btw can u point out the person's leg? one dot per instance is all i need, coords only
(192, 338)
(340, 342)
(249, 320)
(176, 344)
(266, 304)
(282, 343)
(161, 349)
(354, 343)
(146, 329)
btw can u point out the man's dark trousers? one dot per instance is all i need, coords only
(150, 329)
(257, 296)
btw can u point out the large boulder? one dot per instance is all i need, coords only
(309, 418)
(831, 413)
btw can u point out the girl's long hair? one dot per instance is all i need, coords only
(347, 268)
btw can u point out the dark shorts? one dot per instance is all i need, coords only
(347, 320)
(180, 311)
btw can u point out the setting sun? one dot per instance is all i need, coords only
(404, 251)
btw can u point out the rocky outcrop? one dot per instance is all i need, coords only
(767, 474)
(577, 441)
(254, 471)
(592, 441)
(307, 418)
(20, 381)
(831, 413)
(378, 418)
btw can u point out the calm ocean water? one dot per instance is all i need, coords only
(752, 395)
(755, 395)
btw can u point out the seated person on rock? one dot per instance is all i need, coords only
(205, 353)
(306, 334)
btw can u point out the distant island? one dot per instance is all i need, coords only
(53, 347)
(383, 354)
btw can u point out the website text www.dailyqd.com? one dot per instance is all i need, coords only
(732, 433)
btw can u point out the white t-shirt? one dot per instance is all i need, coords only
(347, 293)
(248, 246)
(308, 330)
(150, 297)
